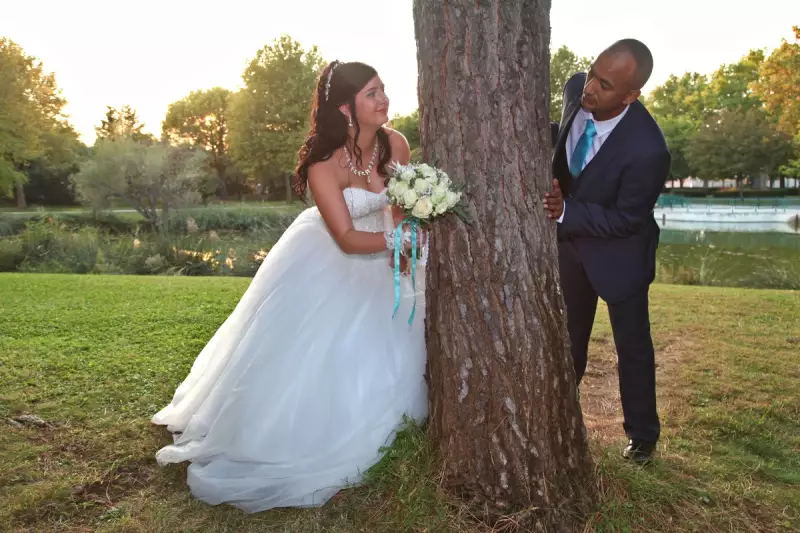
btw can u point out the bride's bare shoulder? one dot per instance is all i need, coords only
(328, 171)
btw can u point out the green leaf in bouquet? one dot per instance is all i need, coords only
(462, 214)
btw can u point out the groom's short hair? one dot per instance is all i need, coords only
(641, 54)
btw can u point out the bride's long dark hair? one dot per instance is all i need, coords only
(329, 127)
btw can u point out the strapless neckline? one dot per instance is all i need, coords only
(366, 190)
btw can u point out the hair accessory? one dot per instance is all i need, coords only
(335, 64)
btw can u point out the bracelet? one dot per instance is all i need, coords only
(389, 236)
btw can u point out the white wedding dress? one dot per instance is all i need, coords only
(309, 377)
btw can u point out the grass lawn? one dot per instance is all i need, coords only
(96, 356)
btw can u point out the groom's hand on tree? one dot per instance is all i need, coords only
(554, 202)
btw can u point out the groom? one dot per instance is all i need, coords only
(610, 164)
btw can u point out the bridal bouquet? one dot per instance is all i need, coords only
(424, 193)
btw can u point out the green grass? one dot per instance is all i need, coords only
(729, 365)
(96, 356)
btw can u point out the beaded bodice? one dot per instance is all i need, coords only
(367, 208)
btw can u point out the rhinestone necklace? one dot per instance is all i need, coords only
(366, 172)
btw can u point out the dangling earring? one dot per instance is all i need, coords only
(350, 121)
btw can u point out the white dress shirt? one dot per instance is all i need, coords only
(604, 129)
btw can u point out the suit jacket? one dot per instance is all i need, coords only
(608, 219)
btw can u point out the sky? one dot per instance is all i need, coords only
(149, 53)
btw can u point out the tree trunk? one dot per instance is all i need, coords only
(287, 181)
(164, 220)
(20, 194)
(223, 185)
(504, 413)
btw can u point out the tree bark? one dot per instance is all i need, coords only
(504, 413)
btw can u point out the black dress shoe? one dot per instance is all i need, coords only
(639, 451)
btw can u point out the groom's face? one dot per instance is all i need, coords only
(609, 84)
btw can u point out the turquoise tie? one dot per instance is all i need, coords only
(582, 148)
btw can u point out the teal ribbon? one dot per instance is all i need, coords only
(398, 243)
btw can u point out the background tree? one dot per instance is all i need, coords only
(30, 108)
(123, 123)
(778, 84)
(270, 116)
(48, 176)
(408, 125)
(152, 179)
(737, 145)
(730, 85)
(681, 106)
(792, 167)
(201, 119)
(504, 414)
(679, 133)
(563, 64)
(697, 114)
(686, 97)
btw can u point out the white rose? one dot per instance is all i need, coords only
(428, 172)
(444, 180)
(421, 186)
(442, 207)
(409, 198)
(423, 208)
(390, 186)
(407, 175)
(438, 194)
(453, 198)
(399, 190)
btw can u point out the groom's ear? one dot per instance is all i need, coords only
(632, 97)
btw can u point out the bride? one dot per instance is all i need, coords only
(296, 393)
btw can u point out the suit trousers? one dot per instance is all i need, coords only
(630, 323)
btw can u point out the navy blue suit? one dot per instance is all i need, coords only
(607, 248)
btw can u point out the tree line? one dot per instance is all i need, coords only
(740, 122)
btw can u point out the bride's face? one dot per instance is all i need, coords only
(372, 104)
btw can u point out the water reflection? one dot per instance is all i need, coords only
(735, 227)
(728, 219)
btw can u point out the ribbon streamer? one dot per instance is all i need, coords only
(398, 243)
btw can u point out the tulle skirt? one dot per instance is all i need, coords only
(309, 377)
